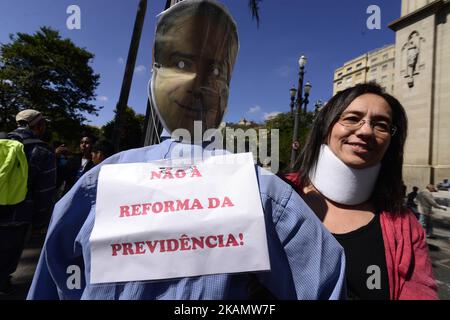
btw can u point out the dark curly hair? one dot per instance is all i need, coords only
(388, 191)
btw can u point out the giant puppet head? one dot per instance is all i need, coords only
(196, 45)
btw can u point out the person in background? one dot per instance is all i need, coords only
(35, 211)
(78, 165)
(444, 185)
(101, 150)
(62, 154)
(350, 174)
(411, 203)
(426, 204)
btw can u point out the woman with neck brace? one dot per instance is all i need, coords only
(350, 174)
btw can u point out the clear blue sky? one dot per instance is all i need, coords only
(328, 32)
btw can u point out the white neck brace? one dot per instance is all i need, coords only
(340, 183)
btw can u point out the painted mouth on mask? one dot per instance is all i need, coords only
(197, 108)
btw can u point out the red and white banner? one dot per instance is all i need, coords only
(165, 220)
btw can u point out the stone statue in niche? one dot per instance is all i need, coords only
(411, 57)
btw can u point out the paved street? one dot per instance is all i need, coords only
(24, 274)
(440, 247)
(439, 251)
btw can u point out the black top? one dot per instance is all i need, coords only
(410, 202)
(72, 171)
(366, 270)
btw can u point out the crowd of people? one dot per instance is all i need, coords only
(421, 203)
(336, 228)
(49, 174)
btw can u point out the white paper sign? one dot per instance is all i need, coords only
(165, 220)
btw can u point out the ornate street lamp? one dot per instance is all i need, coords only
(308, 87)
(317, 107)
(292, 92)
(298, 109)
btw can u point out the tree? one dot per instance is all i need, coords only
(50, 74)
(130, 131)
(7, 121)
(254, 8)
(284, 122)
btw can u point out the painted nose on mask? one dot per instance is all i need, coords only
(199, 86)
(199, 81)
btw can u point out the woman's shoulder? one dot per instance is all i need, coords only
(292, 178)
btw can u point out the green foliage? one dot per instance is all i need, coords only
(284, 122)
(73, 142)
(7, 97)
(50, 74)
(131, 131)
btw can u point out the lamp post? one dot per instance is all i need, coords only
(308, 87)
(298, 109)
(292, 92)
(317, 107)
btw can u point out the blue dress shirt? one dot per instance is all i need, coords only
(306, 261)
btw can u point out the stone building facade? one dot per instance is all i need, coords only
(377, 65)
(416, 70)
(422, 84)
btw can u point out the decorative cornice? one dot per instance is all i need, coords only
(427, 10)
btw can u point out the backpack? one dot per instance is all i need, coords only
(14, 170)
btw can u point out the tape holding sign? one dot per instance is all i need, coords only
(164, 220)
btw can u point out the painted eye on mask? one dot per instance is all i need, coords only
(184, 65)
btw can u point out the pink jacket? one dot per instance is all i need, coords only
(407, 259)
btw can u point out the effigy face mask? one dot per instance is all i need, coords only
(196, 45)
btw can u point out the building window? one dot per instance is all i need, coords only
(384, 68)
(349, 69)
(339, 83)
(373, 70)
(385, 56)
(373, 60)
(339, 74)
(359, 65)
(358, 75)
(348, 80)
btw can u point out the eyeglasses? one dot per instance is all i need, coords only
(380, 127)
